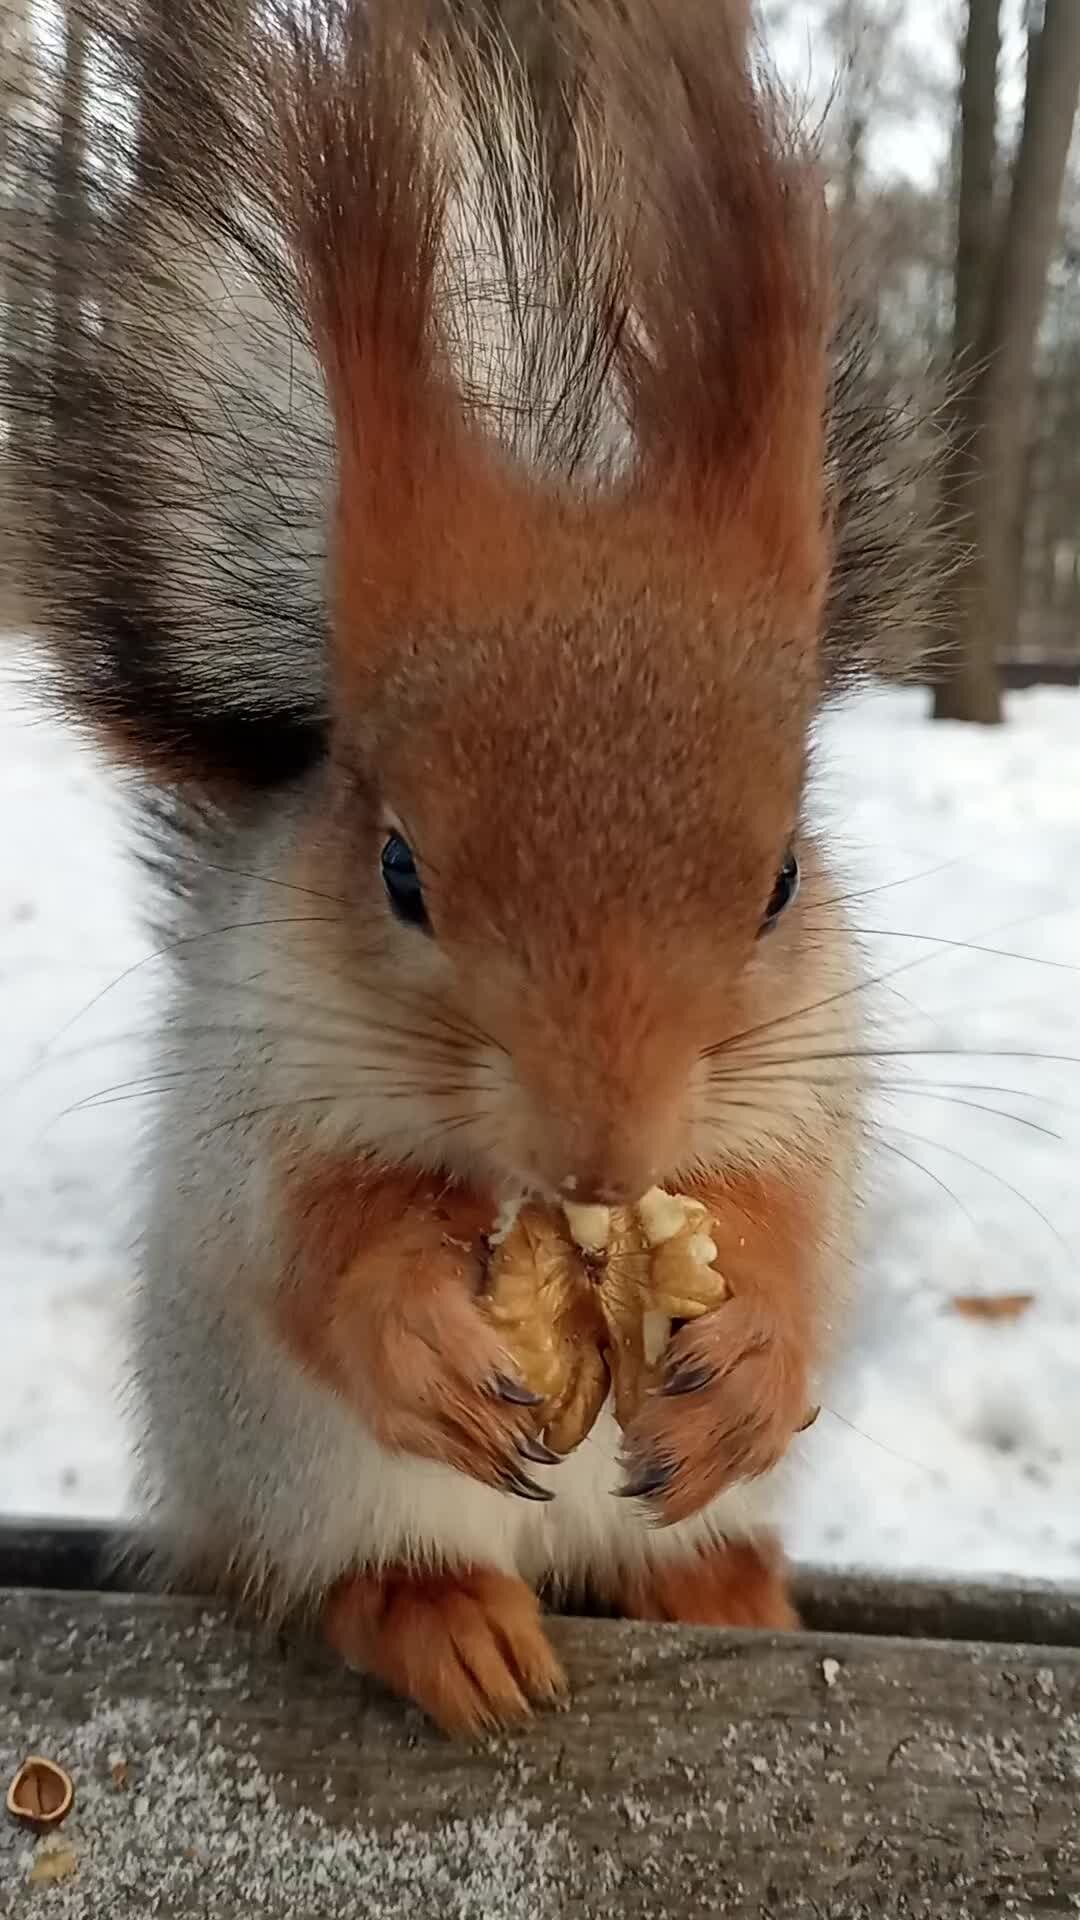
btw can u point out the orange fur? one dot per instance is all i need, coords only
(467, 1646)
(549, 683)
(576, 667)
(726, 355)
(380, 1305)
(751, 1357)
(525, 668)
(363, 196)
(736, 1584)
(715, 232)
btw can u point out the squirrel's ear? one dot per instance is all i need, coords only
(363, 193)
(722, 214)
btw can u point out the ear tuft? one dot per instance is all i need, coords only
(363, 190)
(722, 217)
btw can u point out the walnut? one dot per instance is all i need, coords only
(41, 1794)
(585, 1301)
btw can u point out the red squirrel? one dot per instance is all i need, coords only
(455, 515)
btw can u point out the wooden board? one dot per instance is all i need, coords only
(80, 1554)
(835, 1777)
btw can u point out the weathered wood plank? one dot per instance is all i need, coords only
(695, 1773)
(79, 1554)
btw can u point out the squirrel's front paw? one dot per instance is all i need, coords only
(731, 1395)
(438, 1381)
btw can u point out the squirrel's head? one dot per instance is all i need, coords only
(572, 713)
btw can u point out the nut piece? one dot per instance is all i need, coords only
(659, 1270)
(590, 1227)
(541, 1299)
(585, 1303)
(663, 1215)
(54, 1860)
(41, 1794)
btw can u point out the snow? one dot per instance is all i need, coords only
(946, 1442)
(206, 1812)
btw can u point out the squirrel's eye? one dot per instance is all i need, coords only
(402, 883)
(783, 893)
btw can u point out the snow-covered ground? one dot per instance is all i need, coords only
(949, 1441)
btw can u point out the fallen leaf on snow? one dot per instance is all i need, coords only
(992, 1306)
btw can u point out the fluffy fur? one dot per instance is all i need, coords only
(404, 468)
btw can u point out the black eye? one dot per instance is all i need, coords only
(783, 893)
(402, 883)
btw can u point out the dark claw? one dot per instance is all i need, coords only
(526, 1489)
(654, 1477)
(540, 1455)
(687, 1379)
(515, 1391)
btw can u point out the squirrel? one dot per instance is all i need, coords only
(453, 516)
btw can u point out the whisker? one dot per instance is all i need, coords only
(162, 953)
(985, 1086)
(889, 886)
(455, 1024)
(978, 1106)
(918, 1090)
(965, 946)
(435, 1047)
(848, 992)
(263, 879)
(862, 986)
(990, 1173)
(167, 1080)
(907, 1459)
(935, 1179)
(907, 1053)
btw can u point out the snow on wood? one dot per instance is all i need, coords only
(693, 1774)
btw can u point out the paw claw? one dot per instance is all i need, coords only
(654, 1476)
(687, 1379)
(514, 1392)
(533, 1449)
(514, 1482)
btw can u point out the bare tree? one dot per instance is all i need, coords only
(862, 34)
(976, 227)
(999, 306)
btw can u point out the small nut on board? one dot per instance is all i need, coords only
(585, 1301)
(54, 1860)
(41, 1794)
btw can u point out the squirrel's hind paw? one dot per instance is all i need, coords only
(467, 1646)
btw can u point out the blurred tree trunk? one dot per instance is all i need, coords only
(848, 29)
(976, 228)
(998, 313)
(966, 676)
